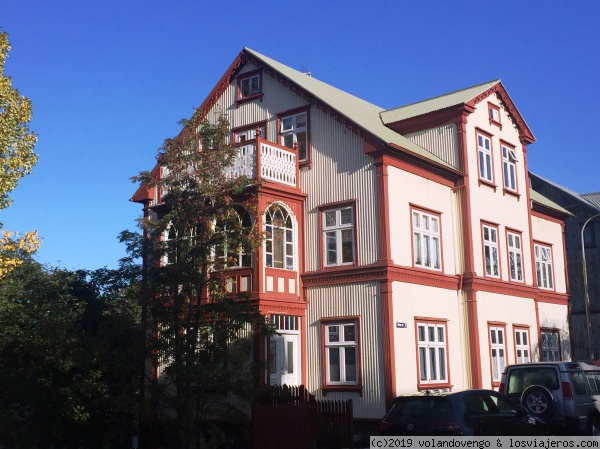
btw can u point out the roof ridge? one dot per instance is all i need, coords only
(446, 94)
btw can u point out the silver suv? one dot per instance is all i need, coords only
(565, 394)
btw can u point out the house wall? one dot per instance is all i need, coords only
(418, 301)
(491, 203)
(348, 300)
(510, 311)
(406, 189)
(551, 232)
(555, 316)
(440, 141)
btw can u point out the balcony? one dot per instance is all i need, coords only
(267, 161)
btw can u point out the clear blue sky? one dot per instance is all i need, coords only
(110, 79)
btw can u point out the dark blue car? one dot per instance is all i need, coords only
(470, 412)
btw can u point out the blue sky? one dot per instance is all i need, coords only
(109, 80)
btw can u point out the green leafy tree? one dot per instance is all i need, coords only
(202, 330)
(16, 158)
(66, 345)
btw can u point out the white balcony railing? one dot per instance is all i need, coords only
(277, 163)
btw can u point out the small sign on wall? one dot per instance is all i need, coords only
(400, 325)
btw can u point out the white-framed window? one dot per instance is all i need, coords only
(426, 240)
(497, 352)
(244, 134)
(338, 236)
(235, 256)
(490, 251)
(550, 345)
(294, 130)
(543, 266)
(509, 168)
(484, 148)
(515, 256)
(250, 86)
(522, 346)
(433, 352)
(494, 114)
(341, 352)
(280, 240)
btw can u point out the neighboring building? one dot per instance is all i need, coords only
(406, 250)
(583, 207)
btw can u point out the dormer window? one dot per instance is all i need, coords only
(249, 86)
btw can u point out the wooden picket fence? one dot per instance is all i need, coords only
(290, 417)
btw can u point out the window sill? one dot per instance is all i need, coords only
(425, 387)
(511, 193)
(487, 183)
(306, 163)
(495, 123)
(249, 98)
(342, 388)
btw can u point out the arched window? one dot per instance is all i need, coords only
(279, 245)
(237, 255)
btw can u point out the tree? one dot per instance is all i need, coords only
(66, 345)
(16, 159)
(202, 328)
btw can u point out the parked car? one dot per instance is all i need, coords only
(565, 394)
(470, 412)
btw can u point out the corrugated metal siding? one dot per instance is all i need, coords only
(360, 300)
(440, 141)
(340, 171)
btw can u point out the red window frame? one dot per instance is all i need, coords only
(323, 244)
(491, 109)
(522, 328)
(496, 325)
(245, 76)
(508, 250)
(326, 385)
(428, 321)
(483, 180)
(483, 244)
(296, 111)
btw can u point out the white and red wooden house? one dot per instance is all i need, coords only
(414, 254)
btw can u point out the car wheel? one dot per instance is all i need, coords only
(538, 400)
(594, 427)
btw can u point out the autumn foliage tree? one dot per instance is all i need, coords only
(202, 327)
(16, 160)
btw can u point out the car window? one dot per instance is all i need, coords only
(503, 405)
(521, 378)
(420, 409)
(578, 383)
(593, 381)
(476, 404)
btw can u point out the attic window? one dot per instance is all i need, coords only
(250, 86)
(494, 115)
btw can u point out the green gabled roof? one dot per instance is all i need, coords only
(435, 104)
(362, 113)
(537, 197)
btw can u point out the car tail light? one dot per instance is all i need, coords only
(501, 388)
(566, 390)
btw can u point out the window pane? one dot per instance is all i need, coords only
(423, 363)
(442, 363)
(330, 218)
(432, 364)
(440, 330)
(349, 332)
(431, 333)
(417, 243)
(422, 333)
(290, 357)
(331, 248)
(347, 246)
(350, 364)
(287, 123)
(333, 333)
(334, 364)
(346, 216)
